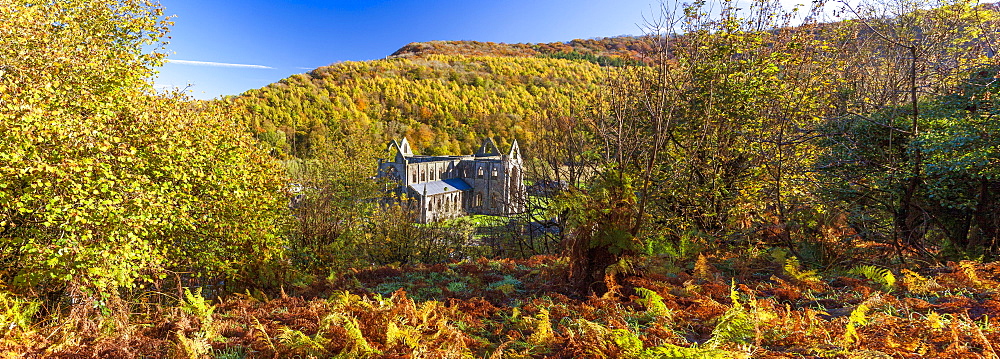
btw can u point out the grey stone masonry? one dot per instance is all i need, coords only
(443, 187)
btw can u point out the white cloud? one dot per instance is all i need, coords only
(217, 64)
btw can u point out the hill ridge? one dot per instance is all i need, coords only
(624, 46)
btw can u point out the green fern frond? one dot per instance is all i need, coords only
(878, 275)
(653, 303)
(16, 312)
(543, 335)
(736, 325)
(669, 351)
(407, 335)
(857, 319)
(859, 315)
(200, 307)
(357, 345)
(393, 335)
(343, 299)
(197, 305)
(794, 270)
(299, 342)
(628, 342)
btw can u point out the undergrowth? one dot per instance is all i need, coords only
(514, 309)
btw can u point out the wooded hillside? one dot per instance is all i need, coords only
(445, 104)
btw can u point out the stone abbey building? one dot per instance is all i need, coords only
(442, 187)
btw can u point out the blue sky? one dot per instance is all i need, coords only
(284, 37)
(228, 47)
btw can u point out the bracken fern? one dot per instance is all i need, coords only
(201, 308)
(543, 335)
(918, 284)
(736, 325)
(16, 312)
(654, 303)
(794, 270)
(300, 343)
(859, 318)
(969, 268)
(882, 276)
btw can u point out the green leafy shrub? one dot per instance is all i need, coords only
(106, 183)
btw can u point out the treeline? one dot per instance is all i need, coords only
(635, 48)
(597, 59)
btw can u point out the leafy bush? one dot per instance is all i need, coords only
(106, 184)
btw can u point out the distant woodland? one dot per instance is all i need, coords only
(445, 104)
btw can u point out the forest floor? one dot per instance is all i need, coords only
(517, 309)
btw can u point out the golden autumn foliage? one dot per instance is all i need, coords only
(444, 104)
(106, 184)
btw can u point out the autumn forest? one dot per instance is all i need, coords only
(740, 181)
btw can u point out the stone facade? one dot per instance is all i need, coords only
(442, 187)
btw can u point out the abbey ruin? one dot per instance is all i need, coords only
(443, 187)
